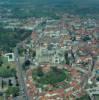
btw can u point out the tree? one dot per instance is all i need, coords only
(86, 38)
(40, 72)
(10, 83)
(1, 61)
(33, 53)
(2, 84)
(14, 91)
(13, 71)
(21, 51)
(66, 58)
(26, 64)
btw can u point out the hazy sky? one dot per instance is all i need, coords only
(77, 2)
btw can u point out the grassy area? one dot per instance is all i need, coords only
(53, 76)
(6, 71)
(4, 59)
(14, 91)
(1, 98)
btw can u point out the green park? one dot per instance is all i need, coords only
(53, 76)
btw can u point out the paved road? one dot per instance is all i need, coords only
(23, 87)
(21, 75)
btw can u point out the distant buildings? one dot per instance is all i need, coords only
(71, 35)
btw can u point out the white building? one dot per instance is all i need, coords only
(10, 57)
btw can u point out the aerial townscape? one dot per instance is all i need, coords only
(48, 58)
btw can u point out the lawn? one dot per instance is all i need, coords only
(4, 59)
(7, 72)
(6, 69)
(1, 98)
(53, 76)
